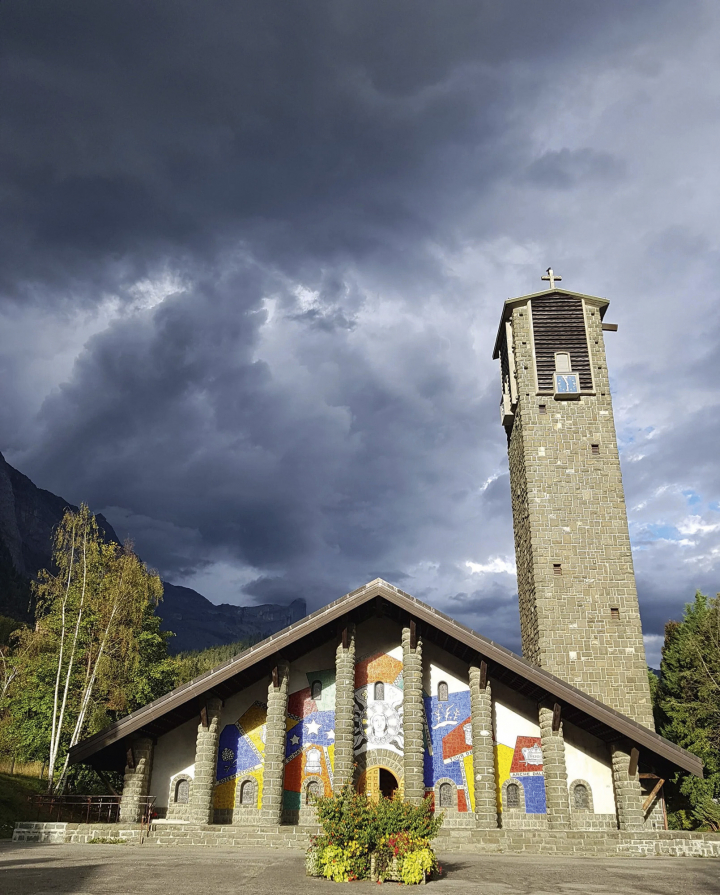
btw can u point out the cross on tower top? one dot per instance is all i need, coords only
(551, 277)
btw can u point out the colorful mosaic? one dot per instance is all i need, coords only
(448, 746)
(309, 741)
(240, 754)
(523, 763)
(378, 704)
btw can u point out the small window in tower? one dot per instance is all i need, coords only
(316, 690)
(557, 568)
(615, 613)
(379, 691)
(562, 362)
(595, 448)
(543, 408)
(182, 791)
(445, 793)
(512, 795)
(442, 692)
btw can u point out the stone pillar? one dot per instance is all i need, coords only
(344, 711)
(556, 783)
(628, 794)
(275, 728)
(486, 812)
(413, 714)
(137, 780)
(206, 746)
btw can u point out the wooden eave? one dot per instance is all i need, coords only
(600, 303)
(107, 749)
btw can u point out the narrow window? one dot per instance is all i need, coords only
(442, 692)
(445, 793)
(580, 796)
(316, 690)
(379, 691)
(543, 408)
(595, 448)
(512, 795)
(247, 793)
(182, 791)
(615, 613)
(312, 792)
(557, 568)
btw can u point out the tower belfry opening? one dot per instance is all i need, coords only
(575, 570)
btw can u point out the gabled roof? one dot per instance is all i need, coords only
(600, 303)
(107, 748)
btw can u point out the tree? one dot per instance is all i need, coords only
(96, 651)
(688, 709)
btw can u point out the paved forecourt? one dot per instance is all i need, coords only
(26, 869)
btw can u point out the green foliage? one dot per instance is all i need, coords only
(354, 826)
(192, 664)
(16, 598)
(416, 865)
(8, 626)
(687, 710)
(14, 794)
(106, 840)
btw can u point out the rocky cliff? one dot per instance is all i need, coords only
(28, 516)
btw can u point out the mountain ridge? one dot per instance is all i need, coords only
(28, 517)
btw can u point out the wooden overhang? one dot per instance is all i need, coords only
(600, 303)
(107, 749)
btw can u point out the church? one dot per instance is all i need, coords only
(380, 691)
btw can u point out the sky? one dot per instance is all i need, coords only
(253, 258)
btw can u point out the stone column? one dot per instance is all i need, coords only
(628, 794)
(486, 812)
(274, 764)
(556, 783)
(344, 711)
(206, 746)
(137, 781)
(413, 714)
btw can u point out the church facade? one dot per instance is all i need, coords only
(384, 693)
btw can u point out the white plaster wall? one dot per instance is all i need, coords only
(441, 666)
(320, 659)
(514, 715)
(588, 758)
(237, 704)
(378, 635)
(174, 754)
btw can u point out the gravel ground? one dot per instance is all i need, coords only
(30, 869)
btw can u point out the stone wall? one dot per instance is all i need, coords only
(595, 843)
(569, 512)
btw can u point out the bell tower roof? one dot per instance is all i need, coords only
(600, 303)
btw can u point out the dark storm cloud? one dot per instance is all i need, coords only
(252, 258)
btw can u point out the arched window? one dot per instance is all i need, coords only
(316, 690)
(445, 794)
(442, 692)
(512, 795)
(247, 793)
(581, 797)
(182, 791)
(562, 362)
(379, 690)
(312, 792)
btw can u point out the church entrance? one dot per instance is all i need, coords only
(376, 782)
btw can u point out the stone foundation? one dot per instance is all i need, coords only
(594, 843)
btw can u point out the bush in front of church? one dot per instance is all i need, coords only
(354, 828)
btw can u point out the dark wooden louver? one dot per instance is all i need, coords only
(559, 325)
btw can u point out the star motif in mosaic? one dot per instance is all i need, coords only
(294, 739)
(331, 734)
(313, 727)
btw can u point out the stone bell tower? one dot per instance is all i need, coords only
(579, 614)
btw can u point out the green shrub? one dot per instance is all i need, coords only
(416, 864)
(353, 827)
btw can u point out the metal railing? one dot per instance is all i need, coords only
(87, 809)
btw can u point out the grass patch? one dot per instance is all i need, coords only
(14, 793)
(106, 840)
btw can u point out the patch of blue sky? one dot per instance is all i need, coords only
(655, 531)
(715, 507)
(692, 497)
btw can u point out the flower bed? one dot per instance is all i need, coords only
(384, 840)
